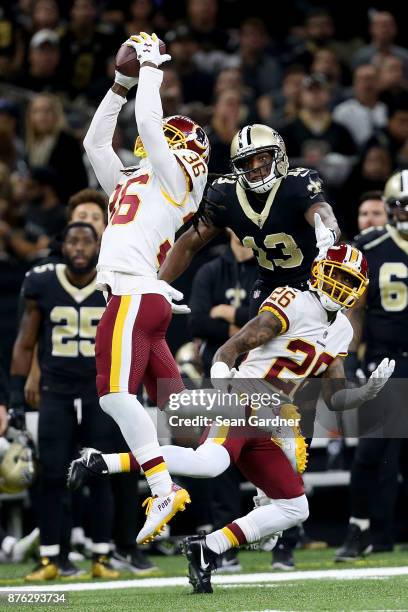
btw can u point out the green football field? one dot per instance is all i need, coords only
(380, 582)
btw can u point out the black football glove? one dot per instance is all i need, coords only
(17, 403)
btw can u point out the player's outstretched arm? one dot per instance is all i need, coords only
(339, 398)
(256, 332)
(98, 139)
(184, 249)
(149, 116)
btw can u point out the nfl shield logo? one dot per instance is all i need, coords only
(256, 294)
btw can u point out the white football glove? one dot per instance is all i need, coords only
(325, 237)
(125, 81)
(221, 375)
(147, 49)
(178, 309)
(379, 377)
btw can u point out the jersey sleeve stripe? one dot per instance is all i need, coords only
(278, 313)
(342, 354)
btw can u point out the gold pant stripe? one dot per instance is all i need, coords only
(114, 381)
(161, 467)
(124, 462)
(222, 435)
(230, 536)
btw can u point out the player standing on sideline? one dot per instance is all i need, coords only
(148, 204)
(381, 320)
(61, 311)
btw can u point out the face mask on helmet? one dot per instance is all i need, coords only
(396, 200)
(341, 278)
(258, 157)
(180, 133)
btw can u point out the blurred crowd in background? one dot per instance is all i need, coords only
(334, 83)
(336, 88)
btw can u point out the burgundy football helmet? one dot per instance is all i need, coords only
(181, 133)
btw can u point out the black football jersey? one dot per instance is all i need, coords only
(70, 315)
(275, 228)
(386, 323)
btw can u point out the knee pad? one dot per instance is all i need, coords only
(296, 508)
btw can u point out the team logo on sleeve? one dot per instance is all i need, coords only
(314, 186)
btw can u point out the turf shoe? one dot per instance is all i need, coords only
(47, 569)
(160, 510)
(201, 562)
(282, 558)
(90, 464)
(356, 545)
(67, 569)
(134, 561)
(228, 562)
(102, 567)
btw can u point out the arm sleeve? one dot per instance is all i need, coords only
(98, 142)
(282, 303)
(216, 203)
(201, 324)
(309, 190)
(30, 289)
(149, 118)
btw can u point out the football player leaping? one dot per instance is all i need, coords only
(148, 204)
(296, 335)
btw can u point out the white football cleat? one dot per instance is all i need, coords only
(160, 510)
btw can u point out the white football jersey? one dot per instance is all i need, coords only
(144, 218)
(147, 204)
(306, 346)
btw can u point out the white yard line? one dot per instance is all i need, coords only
(238, 579)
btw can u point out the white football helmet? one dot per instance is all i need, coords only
(253, 139)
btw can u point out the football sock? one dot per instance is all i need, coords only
(120, 462)
(362, 523)
(53, 550)
(100, 548)
(228, 537)
(279, 515)
(208, 461)
(140, 434)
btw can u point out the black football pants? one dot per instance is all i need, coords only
(375, 469)
(66, 424)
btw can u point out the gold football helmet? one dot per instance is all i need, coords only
(396, 199)
(17, 467)
(253, 139)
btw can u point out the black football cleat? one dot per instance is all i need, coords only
(356, 545)
(90, 464)
(201, 561)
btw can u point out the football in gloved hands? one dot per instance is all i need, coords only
(126, 61)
